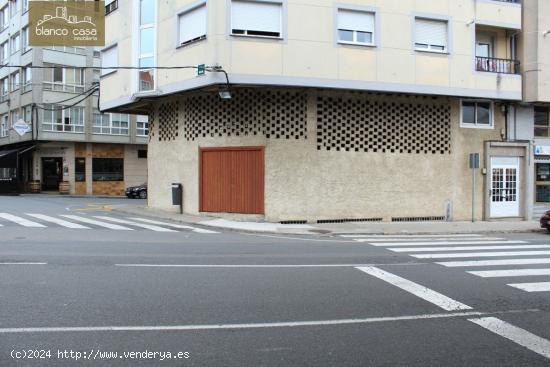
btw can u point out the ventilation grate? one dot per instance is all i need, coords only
(417, 219)
(364, 123)
(320, 221)
(274, 114)
(293, 222)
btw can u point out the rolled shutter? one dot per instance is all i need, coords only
(192, 24)
(256, 16)
(431, 32)
(109, 57)
(356, 20)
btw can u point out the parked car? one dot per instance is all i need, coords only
(545, 221)
(140, 191)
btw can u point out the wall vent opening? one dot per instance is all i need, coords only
(418, 219)
(320, 221)
(293, 222)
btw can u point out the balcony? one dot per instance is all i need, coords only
(495, 65)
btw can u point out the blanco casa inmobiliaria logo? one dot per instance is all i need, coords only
(79, 28)
(67, 23)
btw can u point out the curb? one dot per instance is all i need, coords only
(312, 232)
(73, 196)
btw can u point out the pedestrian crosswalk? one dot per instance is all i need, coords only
(474, 253)
(82, 222)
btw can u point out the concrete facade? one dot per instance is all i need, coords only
(332, 171)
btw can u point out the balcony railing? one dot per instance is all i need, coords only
(494, 65)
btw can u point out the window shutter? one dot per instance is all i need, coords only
(256, 16)
(431, 32)
(109, 57)
(356, 20)
(192, 24)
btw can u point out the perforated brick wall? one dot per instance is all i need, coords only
(168, 127)
(152, 123)
(408, 125)
(273, 114)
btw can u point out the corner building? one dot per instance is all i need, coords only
(366, 111)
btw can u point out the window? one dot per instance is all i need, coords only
(142, 123)
(15, 43)
(4, 126)
(431, 35)
(477, 114)
(109, 58)
(14, 7)
(5, 54)
(67, 120)
(4, 17)
(147, 32)
(113, 124)
(254, 18)
(14, 116)
(15, 81)
(108, 169)
(5, 88)
(192, 25)
(69, 49)
(25, 5)
(542, 124)
(110, 6)
(80, 169)
(27, 77)
(65, 79)
(142, 153)
(27, 114)
(25, 39)
(355, 27)
(97, 54)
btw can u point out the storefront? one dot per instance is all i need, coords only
(542, 174)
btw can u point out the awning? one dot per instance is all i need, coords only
(5, 153)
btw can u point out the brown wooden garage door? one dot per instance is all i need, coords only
(232, 180)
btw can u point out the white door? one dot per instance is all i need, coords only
(504, 187)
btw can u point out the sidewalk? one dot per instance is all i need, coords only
(338, 228)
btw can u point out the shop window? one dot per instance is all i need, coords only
(543, 194)
(542, 125)
(108, 169)
(80, 170)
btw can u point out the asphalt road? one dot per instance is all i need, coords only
(76, 296)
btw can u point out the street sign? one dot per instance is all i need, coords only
(21, 127)
(201, 69)
(474, 160)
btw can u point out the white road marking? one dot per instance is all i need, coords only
(480, 254)
(408, 235)
(173, 225)
(393, 239)
(236, 266)
(439, 243)
(240, 326)
(58, 221)
(146, 226)
(471, 263)
(532, 287)
(510, 273)
(23, 264)
(21, 221)
(418, 290)
(458, 248)
(519, 336)
(97, 222)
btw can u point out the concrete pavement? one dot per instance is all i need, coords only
(338, 228)
(239, 298)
